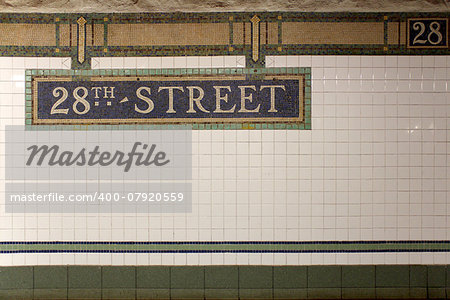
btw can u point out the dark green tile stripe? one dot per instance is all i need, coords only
(223, 247)
(226, 282)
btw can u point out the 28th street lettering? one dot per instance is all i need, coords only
(195, 96)
(172, 100)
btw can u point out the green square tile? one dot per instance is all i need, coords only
(118, 277)
(119, 293)
(289, 277)
(417, 293)
(392, 276)
(324, 293)
(187, 277)
(50, 277)
(16, 294)
(392, 293)
(358, 293)
(187, 293)
(255, 277)
(258, 293)
(448, 276)
(153, 293)
(221, 277)
(90, 293)
(418, 276)
(436, 276)
(324, 276)
(222, 293)
(16, 277)
(153, 277)
(436, 293)
(82, 277)
(358, 276)
(50, 294)
(290, 293)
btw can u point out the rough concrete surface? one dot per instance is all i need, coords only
(90, 6)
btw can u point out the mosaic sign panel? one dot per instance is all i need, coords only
(170, 99)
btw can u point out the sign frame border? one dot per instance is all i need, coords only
(120, 74)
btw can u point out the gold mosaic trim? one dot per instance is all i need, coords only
(168, 34)
(363, 33)
(254, 35)
(81, 39)
(27, 34)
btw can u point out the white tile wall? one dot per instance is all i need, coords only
(168, 62)
(375, 166)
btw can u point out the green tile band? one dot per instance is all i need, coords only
(226, 282)
(225, 247)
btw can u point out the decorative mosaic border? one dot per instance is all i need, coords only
(226, 247)
(253, 34)
(252, 73)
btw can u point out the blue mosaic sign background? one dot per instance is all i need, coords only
(146, 100)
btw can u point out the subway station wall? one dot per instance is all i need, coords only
(374, 167)
(365, 179)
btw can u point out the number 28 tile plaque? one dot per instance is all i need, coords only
(171, 98)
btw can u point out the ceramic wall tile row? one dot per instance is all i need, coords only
(168, 62)
(174, 259)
